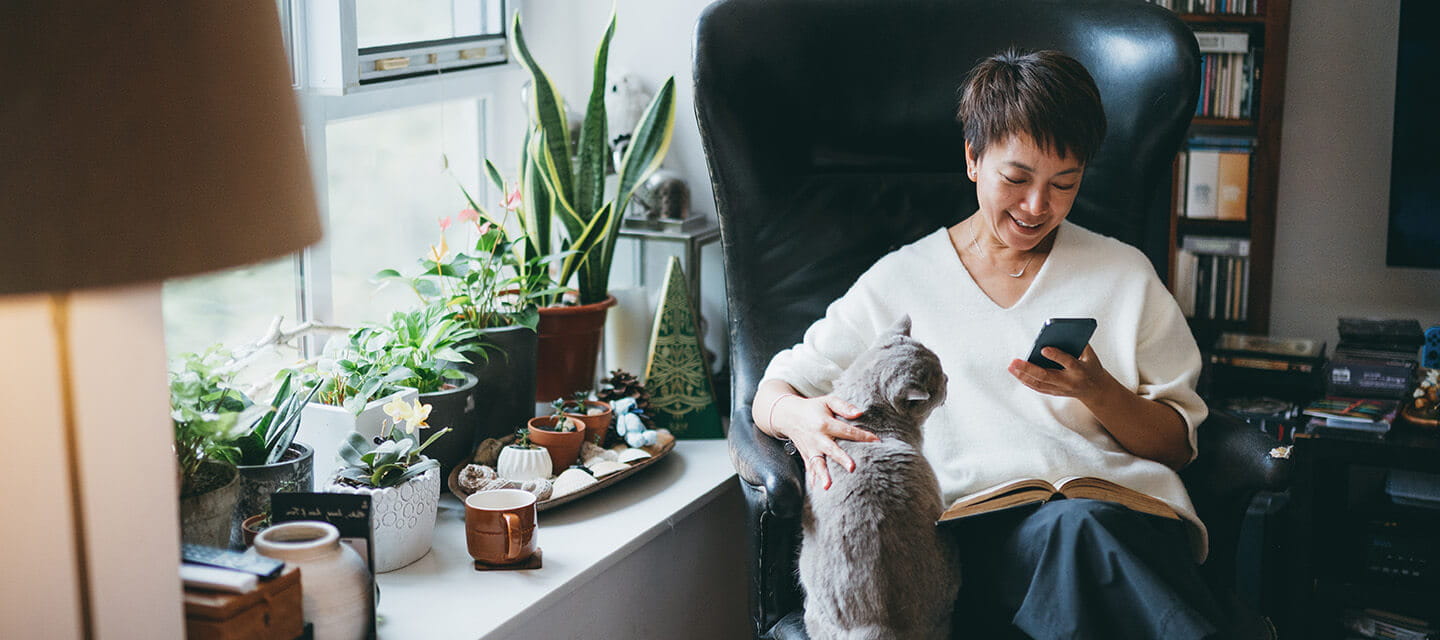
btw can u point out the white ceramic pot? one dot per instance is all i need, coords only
(523, 464)
(402, 518)
(334, 583)
(324, 426)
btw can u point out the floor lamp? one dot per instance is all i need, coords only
(138, 141)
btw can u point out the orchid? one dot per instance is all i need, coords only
(412, 415)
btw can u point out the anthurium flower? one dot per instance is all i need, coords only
(512, 200)
(438, 253)
(445, 223)
(412, 415)
(468, 215)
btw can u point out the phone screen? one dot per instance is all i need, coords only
(1066, 334)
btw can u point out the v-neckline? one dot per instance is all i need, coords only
(970, 278)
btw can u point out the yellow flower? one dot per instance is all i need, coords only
(438, 253)
(412, 415)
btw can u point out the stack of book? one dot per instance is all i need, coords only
(1229, 73)
(1233, 7)
(1212, 275)
(1264, 381)
(1371, 372)
(1375, 358)
(1213, 178)
(1376, 623)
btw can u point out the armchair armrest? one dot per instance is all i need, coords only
(762, 462)
(773, 484)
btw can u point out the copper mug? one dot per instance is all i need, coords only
(500, 526)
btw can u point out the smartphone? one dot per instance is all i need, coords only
(1066, 334)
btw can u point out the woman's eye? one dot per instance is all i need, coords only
(1013, 180)
(1063, 187)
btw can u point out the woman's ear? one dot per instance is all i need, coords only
(971, 163)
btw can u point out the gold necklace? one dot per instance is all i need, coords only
(976, 243)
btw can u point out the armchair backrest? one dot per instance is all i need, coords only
(830, 133)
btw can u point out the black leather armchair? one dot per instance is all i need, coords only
(830, 137)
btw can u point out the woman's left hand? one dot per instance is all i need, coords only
(1082, 378)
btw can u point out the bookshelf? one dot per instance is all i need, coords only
(1266, 25)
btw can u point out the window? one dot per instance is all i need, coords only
(379, 153)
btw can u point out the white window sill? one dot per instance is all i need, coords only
(443, 596)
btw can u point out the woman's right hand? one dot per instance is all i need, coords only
(813, 426)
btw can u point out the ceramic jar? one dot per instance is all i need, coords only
(521, 465)
(402, 518)
(334, 583)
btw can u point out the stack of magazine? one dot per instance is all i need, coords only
(1377, 623)
(1352, 416)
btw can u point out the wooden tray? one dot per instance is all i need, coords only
(656, 451)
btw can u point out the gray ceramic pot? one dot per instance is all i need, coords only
(295, 472)
(454, 408)
(505, 387)
(205, 518)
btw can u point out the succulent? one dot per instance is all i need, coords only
(522, 440)
(385, 462)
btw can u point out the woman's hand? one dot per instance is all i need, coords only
(1083, 378)
(813, 425)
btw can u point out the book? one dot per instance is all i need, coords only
(1201, 185)
(1233, 183)
(1222, 41)
(1360, 412)
(1302, 349)
(1035, 491)
(1217, 245)
(1349, 375)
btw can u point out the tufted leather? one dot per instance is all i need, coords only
(829, 131)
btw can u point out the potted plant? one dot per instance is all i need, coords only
(254, 524)
(561, 435)
(204, 411)
(596, 414)
(403, 485)
(416, 347)
(562, 190)
(352, 389)
(267, 456)
(523, 460)
(492, 288)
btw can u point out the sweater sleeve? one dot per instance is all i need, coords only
(1167, 359)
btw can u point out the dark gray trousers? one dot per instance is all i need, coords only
(1080, 569)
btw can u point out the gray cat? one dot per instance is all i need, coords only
(871, 562)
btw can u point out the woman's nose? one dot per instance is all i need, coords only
(1037, 201)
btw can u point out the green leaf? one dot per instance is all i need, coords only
(494, 173)
(417, 469)
(428, 441)
(385, 274)
(353, 448)
(548, 110)
(594, 144)
(450, 355)
(427, 288)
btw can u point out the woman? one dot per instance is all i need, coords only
(977, 294)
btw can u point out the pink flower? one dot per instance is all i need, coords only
(468, 215)
(485, 228)
(512, 200)
(445, 223)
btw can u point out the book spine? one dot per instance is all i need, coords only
(1185, 282)
(1233, 183)
(1200, 197)
(1217, 245)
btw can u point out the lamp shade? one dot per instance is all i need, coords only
(143, 140)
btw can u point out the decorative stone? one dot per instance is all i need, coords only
(606, 467)
(571, 481)
(633, 455)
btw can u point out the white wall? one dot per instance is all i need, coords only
(1335, 175)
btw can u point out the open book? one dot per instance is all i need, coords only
(1021, 492)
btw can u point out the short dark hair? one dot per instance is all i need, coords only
(1044, 94)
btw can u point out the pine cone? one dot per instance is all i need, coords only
(623, 384)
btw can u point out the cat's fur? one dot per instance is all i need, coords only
(872, 564)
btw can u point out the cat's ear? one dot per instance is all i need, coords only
(901, 327)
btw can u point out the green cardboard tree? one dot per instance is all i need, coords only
(682, 397)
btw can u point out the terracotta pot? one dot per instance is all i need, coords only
(596, 425)
(564, 446)
(568, 349)
(250, 528)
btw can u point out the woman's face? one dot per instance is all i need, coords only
(1024, 193)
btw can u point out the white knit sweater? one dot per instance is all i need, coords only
(992, 428)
